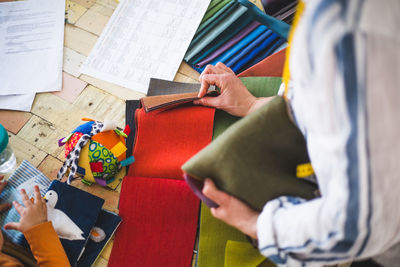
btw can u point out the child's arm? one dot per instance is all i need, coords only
(40, 234)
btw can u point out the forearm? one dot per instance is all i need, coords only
(257, 103)
(46, 246)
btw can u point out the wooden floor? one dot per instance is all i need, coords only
(34, 135)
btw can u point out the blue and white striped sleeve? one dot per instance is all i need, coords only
(345, 97)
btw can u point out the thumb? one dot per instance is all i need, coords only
(12, 226)
(209, 101)
(211, 191)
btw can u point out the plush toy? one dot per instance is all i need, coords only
(95, 151)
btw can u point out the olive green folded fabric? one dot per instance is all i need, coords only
(213, 8)
(256, 158)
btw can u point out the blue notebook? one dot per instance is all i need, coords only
(107, 223)
(73, 213)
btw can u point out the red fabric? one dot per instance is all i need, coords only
(271, 66)
(72, 142)
(96, 166)
(168, 138)
(127, 130)
(159, 222)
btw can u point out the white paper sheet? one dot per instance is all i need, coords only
(143, 39)
(17, 102)
(31, 46)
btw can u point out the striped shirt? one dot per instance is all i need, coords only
(344, 94)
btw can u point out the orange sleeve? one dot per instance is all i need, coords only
(46, 246)
(8, 261)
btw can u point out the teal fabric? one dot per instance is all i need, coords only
(210, 36)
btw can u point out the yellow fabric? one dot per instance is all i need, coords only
(304, 170)
(286, 69)
(118, 149)
(243, 254)
(84, 163)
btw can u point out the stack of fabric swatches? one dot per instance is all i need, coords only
(230, 34)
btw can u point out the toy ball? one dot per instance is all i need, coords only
(96, 152)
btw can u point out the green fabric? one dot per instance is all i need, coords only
(243, 254)
(255, 159)
(257, 86)
(214, 33)
(213, 8)
(212, 239)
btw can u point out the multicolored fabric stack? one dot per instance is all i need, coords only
(231, 33)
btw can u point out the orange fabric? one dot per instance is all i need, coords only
(109, 139)
(166, 139)
(8, 261)
(271, 66)
(46, 246)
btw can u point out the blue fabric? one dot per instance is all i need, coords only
(224, 37)
(248, 49)
(253, 53)
(85, 128)
(264, 54)
(243, 44)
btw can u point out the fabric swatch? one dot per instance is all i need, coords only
(235, 39)
(208, 25)
(164, 87)
(185, 130)
(210, 36)
(213, 8)
(221, 40)
(159, 221)
(243, 254)
(266, 46)
(271, 66)
(273, 147)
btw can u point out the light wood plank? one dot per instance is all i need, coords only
(103, 105)
(105, 254)
(58, 111)
(116, 90)
(24, 150)
(43, 135)
(79, 40)
(85, 3)
(188, 71)
(73, 11)
(72, 61)
(50, 167)
(92, 22)
(184, 79)
(105, 7)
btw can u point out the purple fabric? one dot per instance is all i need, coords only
(101, 182)
(197, 187)
(243, 33)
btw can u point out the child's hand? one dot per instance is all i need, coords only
(31, 213)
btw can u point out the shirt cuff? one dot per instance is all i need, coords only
(265, 229)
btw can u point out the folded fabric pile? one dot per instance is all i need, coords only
(229, 33)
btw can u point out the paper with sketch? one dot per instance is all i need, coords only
(31, 46)
(143, 39)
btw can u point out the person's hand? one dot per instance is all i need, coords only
(231, 210)
(32, 213)
(3, 207)
(234, 98)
